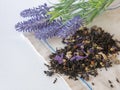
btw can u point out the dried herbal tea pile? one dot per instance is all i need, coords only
(86, 51)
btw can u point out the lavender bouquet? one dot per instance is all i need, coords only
(62, 19)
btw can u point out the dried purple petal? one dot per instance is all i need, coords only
(79, 38)
(59, 58)
(91, 50)
(80, 44)
(78, 58)
(81, 57)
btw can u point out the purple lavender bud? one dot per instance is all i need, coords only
(59, 58)
(70, 27)
(39, 11)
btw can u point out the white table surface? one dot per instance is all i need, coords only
(21, 68)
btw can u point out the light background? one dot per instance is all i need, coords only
(21, 68)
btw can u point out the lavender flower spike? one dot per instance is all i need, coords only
(70, 27)
(38, 11)
(49, 30)
(39, 19)
(33, 24)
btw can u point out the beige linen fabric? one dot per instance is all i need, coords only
(110, 21)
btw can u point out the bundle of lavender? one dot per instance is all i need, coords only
(62, 19)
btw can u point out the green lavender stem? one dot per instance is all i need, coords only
(99, 10)
(88, 10)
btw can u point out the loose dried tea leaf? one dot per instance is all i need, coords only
(55, 80)
(93, 84)
(109, 81)
(111, 86)
(49, 73)
(117, 80)
(86, 51)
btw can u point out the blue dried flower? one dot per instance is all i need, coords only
(80, 44)
(91, 50)
(59, 58)
(78, 58)
(70, 27)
